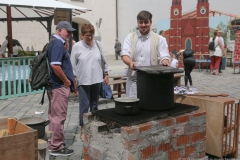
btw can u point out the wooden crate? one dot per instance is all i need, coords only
(222, 128)
(21, 142)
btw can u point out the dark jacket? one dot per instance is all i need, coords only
(15, 43)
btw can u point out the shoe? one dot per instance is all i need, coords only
(62, 152)
(51, 150)
(220, 71)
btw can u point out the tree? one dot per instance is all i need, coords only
(224, 29)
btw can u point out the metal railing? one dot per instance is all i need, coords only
(14, 74)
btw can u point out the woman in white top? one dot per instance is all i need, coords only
(217, 54)
(87, 68)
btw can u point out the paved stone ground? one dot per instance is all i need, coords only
(26, 106)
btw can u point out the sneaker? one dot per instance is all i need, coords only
(220, 72)
(62, 152)
(51, 150)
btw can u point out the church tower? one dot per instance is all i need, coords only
(202, 29)
(175, 26)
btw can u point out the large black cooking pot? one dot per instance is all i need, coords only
(155, 87)
(36, 123)
(126, 106)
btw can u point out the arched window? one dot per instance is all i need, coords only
(202, 34)
(188, 43)
(202, 1)
(176, 3)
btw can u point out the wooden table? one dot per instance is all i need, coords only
(115, 87)
(118, 84)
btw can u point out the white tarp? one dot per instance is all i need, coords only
(36, 8)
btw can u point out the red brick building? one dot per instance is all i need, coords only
(190, 30)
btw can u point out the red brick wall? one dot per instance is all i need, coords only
(171, 138)
(237, 47)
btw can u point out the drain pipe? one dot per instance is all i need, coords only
(117, 19)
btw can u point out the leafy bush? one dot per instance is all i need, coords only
(22, 53)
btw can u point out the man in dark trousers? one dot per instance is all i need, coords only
(62, 83)
(118, 49)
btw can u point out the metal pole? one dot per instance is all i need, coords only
(70, 38)
(116, 19)
(9, 28)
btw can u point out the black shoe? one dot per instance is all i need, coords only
(220, 71)
(62, 152)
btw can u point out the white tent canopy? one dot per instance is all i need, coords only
(36, 8)
(30, 10)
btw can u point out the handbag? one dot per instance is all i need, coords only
(105, 91)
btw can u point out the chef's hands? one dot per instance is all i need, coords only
(165, 62)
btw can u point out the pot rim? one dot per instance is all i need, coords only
(32, 120)
(126, 100)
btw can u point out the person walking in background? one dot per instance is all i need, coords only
(87, 59)
(220, 36)
(143, 48)
(118, 49)
(16, 46)
(189, 62)
(62, 83)
(217, 54)
(161, 34)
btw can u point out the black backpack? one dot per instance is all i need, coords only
(40, 72)
(211, 45)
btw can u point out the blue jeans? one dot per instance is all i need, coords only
(88, 97)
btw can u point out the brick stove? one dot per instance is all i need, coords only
(174, 137)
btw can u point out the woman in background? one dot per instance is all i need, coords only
(217, 54)
(189, 62)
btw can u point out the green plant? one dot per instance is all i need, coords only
(224, 29)
(21, 53)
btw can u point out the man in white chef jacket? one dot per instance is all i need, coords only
(143, 48)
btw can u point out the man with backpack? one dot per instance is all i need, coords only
(62, 83)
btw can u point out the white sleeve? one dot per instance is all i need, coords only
(163, 50)
(74, 58)
(3, 47)
(106, 69)
(126, 49)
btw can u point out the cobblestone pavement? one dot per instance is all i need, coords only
(26, 106)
